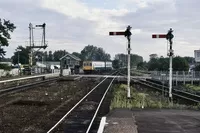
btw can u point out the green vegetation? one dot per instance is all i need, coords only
(139, 73)
(89, 52)
(162, 64)
(121, 60)
(142, 66)
(5, 67)
(5, 28)
(94, 53)
(139, 100)
(23, 55)
(192, 87)
(142, 100)
(135, 73)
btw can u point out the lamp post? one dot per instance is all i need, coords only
(18, 50)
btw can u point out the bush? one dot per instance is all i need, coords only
(5, 67)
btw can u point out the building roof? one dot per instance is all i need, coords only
(72, 56)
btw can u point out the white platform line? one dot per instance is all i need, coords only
(102, 125)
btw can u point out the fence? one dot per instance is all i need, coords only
(177, 76)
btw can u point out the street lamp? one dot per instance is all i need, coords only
(18, 50)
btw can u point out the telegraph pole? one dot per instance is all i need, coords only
(127, 34)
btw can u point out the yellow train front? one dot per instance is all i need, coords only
(96, 66)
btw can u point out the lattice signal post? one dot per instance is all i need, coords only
(169, 36)
(127, 34)
(32, 42)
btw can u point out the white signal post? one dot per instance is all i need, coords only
(171, 52)
(129, 70)
(127, 34)
(169, 36)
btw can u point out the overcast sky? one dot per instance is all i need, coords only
(73, 24)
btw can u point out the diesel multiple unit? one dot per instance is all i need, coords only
(96, 66)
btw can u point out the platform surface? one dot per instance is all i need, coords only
(120, 121)
(152, 121)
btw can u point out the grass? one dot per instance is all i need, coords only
(135, 73)
(193, 87)
(142, 100)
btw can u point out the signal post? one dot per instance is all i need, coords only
(127, 34)
(169, 36)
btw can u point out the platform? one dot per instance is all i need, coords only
(152, 121)
(120, 121)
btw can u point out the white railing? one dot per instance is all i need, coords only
(183, 76)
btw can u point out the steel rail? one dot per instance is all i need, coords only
(59, 122)
(80, 101)
(176, 90)
(24, 87)
(89, 127)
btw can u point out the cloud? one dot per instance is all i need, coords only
(75, 9)
(73, 24)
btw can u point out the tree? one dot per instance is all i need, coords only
(6, 59)
(45, 56)
(136, 59)
(122, 59)
(23, 55)
(58, 54)
(5, 27)
(5, 67)
(142, 65)
(190, 60)
(153, 56)
(153, 64)
(162, 64)
(50, 56)
(180, 64)
(77, 55)
(94, 53)
(101, 55)
(116, 64)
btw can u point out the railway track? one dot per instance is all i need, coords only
(175, 92)
(24, 87)
(81, 117)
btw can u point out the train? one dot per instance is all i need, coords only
(96, 66)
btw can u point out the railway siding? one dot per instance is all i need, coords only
(35, 108)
